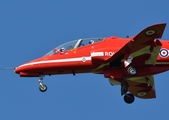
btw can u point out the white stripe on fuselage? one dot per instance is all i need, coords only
(83, 59)
(93, 54)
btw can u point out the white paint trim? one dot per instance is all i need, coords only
(128, 61)
(57, 61)
(93, 54)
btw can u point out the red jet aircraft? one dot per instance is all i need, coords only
(129, 62)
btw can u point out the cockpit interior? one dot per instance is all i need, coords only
(73, 45)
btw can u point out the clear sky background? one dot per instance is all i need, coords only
(31, 28)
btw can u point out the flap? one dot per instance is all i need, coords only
(142, 87)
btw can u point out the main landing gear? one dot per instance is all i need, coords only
(128, 97)
(132, 71)
(42, 87)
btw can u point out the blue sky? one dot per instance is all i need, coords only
(30, 29)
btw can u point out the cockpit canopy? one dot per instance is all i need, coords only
(73, 45)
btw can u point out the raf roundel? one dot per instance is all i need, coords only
(141, 94)
(150, 32)
(163, 53)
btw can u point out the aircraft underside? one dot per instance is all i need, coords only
(117, 76)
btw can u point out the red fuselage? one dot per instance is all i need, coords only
(128, 62)
(91, 58)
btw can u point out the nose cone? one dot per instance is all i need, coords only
(20, 69)
(26, 70)
(17, 70)
(29, 69)
(23, 72)
(26, 67)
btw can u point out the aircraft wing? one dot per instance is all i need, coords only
(143, 48)
(142, 87)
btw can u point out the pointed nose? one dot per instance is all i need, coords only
(22, 68)
(23, 72)
(19, 69)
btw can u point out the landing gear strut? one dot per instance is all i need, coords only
(124, 87)
(128, 97)
(42, 87)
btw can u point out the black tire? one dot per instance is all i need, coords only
(132, 71)
(43, 88)
(129, 98)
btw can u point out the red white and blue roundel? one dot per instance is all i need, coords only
(163, 53)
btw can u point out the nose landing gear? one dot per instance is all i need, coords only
(42, 87)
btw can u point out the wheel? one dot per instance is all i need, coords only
(129, 98)
(132, 71)
(43, 88)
